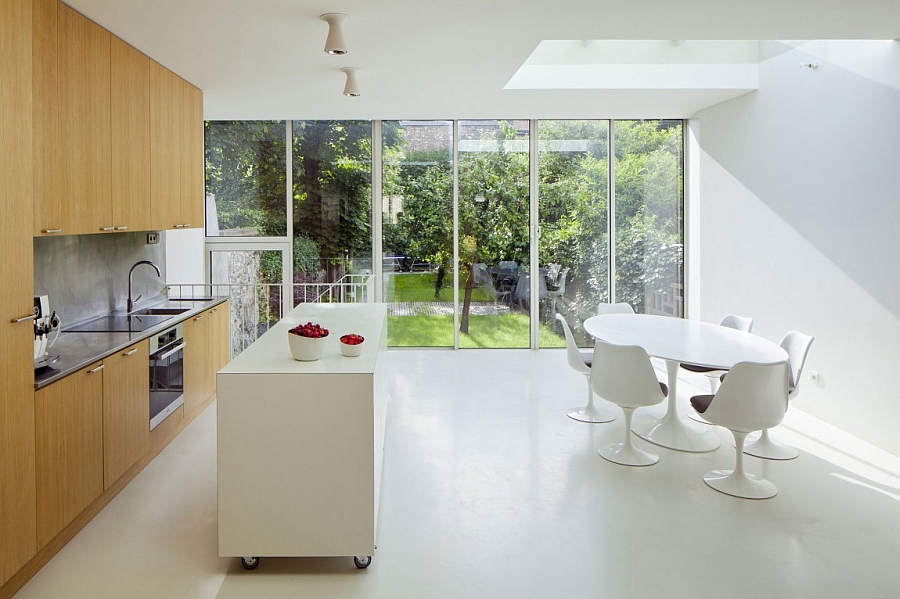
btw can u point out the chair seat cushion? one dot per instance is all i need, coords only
(587, 355)
(701, 402)
(696, 368)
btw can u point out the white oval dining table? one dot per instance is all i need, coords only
(677, 341)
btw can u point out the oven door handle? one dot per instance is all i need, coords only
(174, 350)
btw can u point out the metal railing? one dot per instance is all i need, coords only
(256, 307)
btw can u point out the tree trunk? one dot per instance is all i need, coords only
(467, 300)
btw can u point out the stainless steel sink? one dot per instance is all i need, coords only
(159, 312)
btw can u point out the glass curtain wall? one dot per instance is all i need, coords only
(573, 203)
(246, 174)
(305, 207)
(417, 232)
(246, 178)
(332, 202)
(649, 219)
(494, 245)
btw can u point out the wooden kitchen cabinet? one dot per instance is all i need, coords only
(17, 482)
(198, 388)
(84, 122)
(51, 210)
(165, 151)
(207, 339)
(193, 183)
(126, 401)
(176, 151)
(219, 339)
(130, 127)
(118, 138)
(68, 425)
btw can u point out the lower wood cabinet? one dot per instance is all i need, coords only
(68, 418)
(207, 339)
(126, 412)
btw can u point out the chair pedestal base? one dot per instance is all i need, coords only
(627, 455)
(591, 414)
(767, 449)
(740, 484)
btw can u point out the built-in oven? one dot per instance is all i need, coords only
(166, 373)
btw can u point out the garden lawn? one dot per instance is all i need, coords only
(503, 331)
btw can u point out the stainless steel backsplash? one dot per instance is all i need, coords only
(87, 275)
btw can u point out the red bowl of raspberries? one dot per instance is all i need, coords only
(307, 341)
(352, 344)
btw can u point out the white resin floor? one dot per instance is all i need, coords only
(490, 491)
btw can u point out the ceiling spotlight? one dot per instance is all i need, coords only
(351, 88)
(334, 43)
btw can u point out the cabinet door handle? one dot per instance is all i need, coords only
(121, 228)
(199, 318)
(51, 230)
(179, 226)
(107, 228)
(23, 319)
(130, 353)
(214, 310)
(186, 225)
(97, 369)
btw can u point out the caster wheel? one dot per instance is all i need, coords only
(362, 562)
(250, 563)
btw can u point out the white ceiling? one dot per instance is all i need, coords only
(257, 59)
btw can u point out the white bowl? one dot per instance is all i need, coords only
(307, 349)
(352, 351)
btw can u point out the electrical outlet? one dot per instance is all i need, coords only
(152, 238)
(816, 379)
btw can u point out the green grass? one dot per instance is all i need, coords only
(419, 287)
(503, 331)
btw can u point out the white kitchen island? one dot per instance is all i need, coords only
(300, 444)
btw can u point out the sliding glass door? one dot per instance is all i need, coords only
(417, 232)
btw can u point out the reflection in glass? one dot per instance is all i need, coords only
(332, 192)
(417, 232)
(246, 176)
(494, 228)
(650, 216)
(573, 196)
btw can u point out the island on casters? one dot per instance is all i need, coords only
(300, 444)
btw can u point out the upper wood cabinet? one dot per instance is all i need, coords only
(130, 128)
(51, 210)
(193, 184)
(84, 122)
(17, 479)
(176, 151)
(165, 148)
(118, 137)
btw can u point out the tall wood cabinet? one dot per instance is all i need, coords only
(17, 475)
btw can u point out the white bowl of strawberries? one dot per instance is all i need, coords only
(352, 345)
(307, 341)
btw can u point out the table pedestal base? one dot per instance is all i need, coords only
(671, 430)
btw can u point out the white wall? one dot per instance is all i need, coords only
(185, 257)
(799, 221)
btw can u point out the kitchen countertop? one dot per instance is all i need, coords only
(77, 350)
